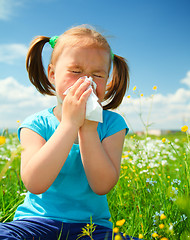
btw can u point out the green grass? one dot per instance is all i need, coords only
(154, 180)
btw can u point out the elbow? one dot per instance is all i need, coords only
(32, 186)
(36, 190)
(101, 192)
(105, 188)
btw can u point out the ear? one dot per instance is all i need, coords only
(51, 73)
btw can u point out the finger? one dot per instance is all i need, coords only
(76, 85)
(82, 88)
(84, 97)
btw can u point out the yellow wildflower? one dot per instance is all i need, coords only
(116, 230)
(162, 216)
(118, 237)
(184, 128)
(120, 222)
(2, 140)
(134, 88)
(154, 88)
(163, 140)
(164, 238)
(168, 177)
(142, 94)
(128, 96)
(155, 235)
(140, 236)
(161, 226)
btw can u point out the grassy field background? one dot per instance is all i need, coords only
(151, 197)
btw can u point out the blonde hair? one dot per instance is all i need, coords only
(116, 88)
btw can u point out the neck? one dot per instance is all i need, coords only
(58, 112)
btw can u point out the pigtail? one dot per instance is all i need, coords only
(35, 68)
(120, 82)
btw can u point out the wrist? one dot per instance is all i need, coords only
(89, 126)
(68, 127)
(88, 130)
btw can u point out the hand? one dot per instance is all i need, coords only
(89, 126)
(74, 103)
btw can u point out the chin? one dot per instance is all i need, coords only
(59, 99)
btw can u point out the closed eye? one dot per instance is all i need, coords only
(98, 76)
(75, 71)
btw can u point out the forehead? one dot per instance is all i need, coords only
(79, 52)
(78, 42)
(85, 57)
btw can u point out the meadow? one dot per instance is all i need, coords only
(151, 199)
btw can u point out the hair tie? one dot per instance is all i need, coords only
(53, 40)
(112, 55)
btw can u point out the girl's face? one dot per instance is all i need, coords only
(76, 62)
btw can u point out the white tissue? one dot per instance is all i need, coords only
(93, 108)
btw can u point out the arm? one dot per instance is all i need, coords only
(101, 161)
(42, 161)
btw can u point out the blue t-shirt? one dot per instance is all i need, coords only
(70, 198)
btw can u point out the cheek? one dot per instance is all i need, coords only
(63, 84)
(100, 90)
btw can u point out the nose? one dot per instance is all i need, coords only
(89, 75)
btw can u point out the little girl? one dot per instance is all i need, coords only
(69, 163)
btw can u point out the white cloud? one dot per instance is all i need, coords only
(7, 8)
(169, 111)
(164, 111)
(11, 52)
(186, 80)
(18, 101)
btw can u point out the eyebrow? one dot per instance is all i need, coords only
(79, 67)
(74, 66)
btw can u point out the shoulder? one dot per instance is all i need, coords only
(38, 122)
(39, 117)
(112, 123)
(110, 115)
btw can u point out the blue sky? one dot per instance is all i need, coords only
(153, 35)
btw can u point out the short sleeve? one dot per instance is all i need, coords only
(112, 123)
(35, 123)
